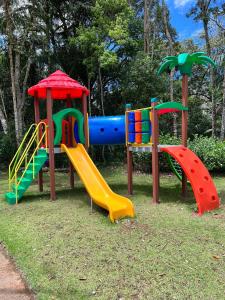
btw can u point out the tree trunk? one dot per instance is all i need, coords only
(18, 85)
(222, 132)
(170, 42)
(101, 90)
(3, 115)
(209, 52)
(147, 29)
(3, 121)
(166, 26)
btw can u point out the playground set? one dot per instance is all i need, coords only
(71, 131)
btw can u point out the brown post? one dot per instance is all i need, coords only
(51, 144)
(37, 120)
(129, 158)
(71, 169)
(84, 110)
(155, 154)
(184, 126)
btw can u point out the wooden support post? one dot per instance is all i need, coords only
(71, 169)
(37, 120)
(129, 158)
(84, 110)
(184, 126)
(51, 144)
(155, 154)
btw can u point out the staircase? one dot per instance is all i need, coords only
(27, 163)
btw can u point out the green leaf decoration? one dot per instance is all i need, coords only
(183, 58)
(207, 59)
(184, 62)
(164, 67)
(196, 54)
(170, 58)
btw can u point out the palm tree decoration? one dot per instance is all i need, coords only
(184, 62)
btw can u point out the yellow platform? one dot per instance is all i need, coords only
(118, 206)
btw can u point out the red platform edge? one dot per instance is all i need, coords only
(202, 184)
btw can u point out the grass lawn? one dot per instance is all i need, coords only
(68, 252)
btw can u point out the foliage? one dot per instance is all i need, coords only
(101, 44)
(8, 147)
(106, 34)
(211, 151)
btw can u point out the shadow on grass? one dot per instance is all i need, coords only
(168, 194)
(78, 195)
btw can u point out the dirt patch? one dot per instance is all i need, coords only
(12, 285)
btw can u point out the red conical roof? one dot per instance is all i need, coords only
(62, 87)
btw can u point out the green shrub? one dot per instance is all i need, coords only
(8, 148)
(211, 151)
(143, 161)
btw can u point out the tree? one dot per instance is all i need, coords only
(202, 11)
(222, 131)
(147, 30)
(19, 29)
(171, 42)
(3, 112)
(103, 39)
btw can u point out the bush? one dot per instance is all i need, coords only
(143, 160)
(211, 151)
(8, 147)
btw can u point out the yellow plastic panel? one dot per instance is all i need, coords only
(118, 206)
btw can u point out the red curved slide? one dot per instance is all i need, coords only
(202, 184)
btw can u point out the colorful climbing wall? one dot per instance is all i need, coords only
(139, 127)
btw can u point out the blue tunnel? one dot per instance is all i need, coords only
(105, 130)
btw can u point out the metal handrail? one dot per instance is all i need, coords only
(34, 138)
(44, 135)
(15, 157)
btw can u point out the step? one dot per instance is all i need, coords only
(42, 151)
(35, 165)
(40, 157)
(20, 190)
(10, 198)
(25, 181)
(29, 174)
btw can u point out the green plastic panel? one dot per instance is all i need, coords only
(171, 105)
(145, 138)
(145, 115)
(62, 114)
(145, 126)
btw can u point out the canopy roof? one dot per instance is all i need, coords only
(61, 85)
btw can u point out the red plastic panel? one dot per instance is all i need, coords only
(166, 111)
(137, 116)
(61, 85)
(138, 126)
(202, 184)
(138, 138)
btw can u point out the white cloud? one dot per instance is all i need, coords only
(197, 33)
(181, 3)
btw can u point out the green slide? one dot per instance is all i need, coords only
(39, 161)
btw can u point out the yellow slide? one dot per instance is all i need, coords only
(118, 206)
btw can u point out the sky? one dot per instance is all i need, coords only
(186, 27)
